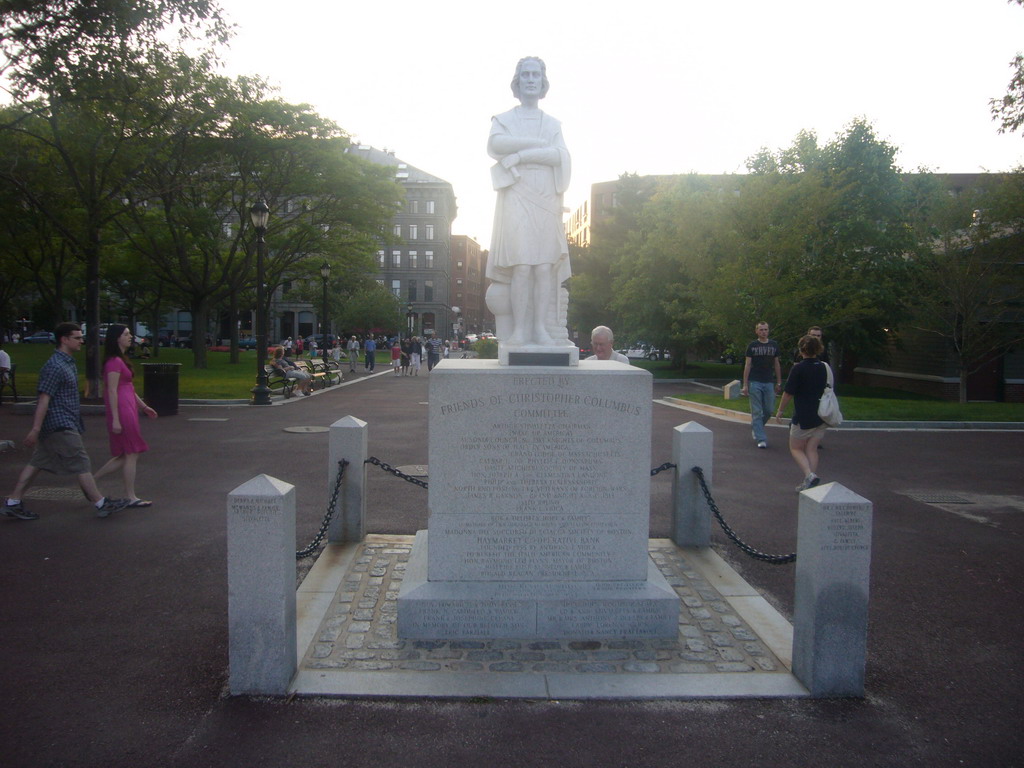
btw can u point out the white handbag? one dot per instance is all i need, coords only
(828, 405)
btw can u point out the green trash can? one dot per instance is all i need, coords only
(160, 387)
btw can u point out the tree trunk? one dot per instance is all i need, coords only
(200, 316)
(93, 353)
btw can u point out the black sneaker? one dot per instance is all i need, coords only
(111, 505)
(18, 512)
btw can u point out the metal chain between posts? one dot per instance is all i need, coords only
(773, 559)
(397, 473)
(662, 468)
(332, 505)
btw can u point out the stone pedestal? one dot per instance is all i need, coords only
(539, 507)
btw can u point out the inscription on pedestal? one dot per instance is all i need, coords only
(541, 476)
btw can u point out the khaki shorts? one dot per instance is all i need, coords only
(798, 433)
(62, 453)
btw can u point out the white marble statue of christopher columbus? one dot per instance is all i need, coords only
(529, 257)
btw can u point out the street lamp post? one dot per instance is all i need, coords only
(325, 273)
(260, 214)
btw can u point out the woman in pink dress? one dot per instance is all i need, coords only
(123, 406)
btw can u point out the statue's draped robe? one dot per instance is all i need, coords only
(528, 227)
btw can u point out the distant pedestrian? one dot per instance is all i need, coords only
(816, 332)
(312, 348)
(353, 354)
(406, 344)
(804, 386)
(123, 406)
(433, 352)
(415, 355)
(299, 346)
(760, 368)
(370, 347)
(5, 369)
(396, 358)
(56, 433)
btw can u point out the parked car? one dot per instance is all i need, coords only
(247, 342)
(169, 338)
(641, 351)
(40, 337)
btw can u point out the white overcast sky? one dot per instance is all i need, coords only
(642, 86)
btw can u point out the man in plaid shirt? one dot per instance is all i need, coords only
(57, 427)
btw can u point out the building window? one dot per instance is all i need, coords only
(458, 281)
(430, 206)
(412, 290)
(458, 264)
(428, 290)
(412, 259)
(396, 288)
(414, 206)
(429, 258)
(380, 281)
(397, 230)
(413, 232)
(380, 259)
(396, 258)
(429, 233)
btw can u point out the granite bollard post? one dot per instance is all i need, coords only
(692, 446)
(261, 586)
(830, 617)
(348, 440)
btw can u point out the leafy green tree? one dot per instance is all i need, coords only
(370, 307)
(674, 239)
(90, 79)
(51, 46)
(970, 283)
(822, 235)
(1009, 109)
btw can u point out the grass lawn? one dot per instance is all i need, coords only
(858, 403)
(220, 380)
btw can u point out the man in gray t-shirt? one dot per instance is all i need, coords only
(762, 380)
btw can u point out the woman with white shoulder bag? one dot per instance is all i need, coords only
(805, 386)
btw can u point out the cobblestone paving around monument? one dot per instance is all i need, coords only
(358, 632)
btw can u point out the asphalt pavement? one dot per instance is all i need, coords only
(114, 631)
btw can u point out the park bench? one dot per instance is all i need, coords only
(319, 374)
(278, 383)
(331, 370)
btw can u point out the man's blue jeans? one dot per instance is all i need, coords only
(762, 403)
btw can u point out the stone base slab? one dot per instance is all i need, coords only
(460, 610)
